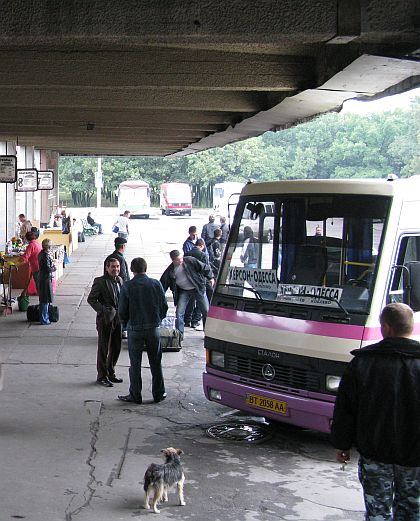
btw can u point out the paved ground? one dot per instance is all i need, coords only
(70, 451)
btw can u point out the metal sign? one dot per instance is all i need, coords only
(27, 180)
(305, 294)
(45, 179)
(8, 169)
(98, 180)
(259, 279)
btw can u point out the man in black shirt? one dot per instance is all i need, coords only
(120, 245)
(377, 411)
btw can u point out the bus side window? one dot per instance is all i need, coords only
(404, 280)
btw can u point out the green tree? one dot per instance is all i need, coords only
(331, 146)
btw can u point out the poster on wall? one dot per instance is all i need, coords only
(45, 179)
(8, 169)
(27, 180)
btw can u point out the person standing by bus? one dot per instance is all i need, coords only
(189, 243)
(143, 306)
(249, 253)
(377, 411)
(208, 230)
(215, 252)
(225, 231)
(186, 277)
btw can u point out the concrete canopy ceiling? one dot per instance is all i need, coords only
(174, 77)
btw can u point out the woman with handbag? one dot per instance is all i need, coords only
(46, 269)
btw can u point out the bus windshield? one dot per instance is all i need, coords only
(306, 250)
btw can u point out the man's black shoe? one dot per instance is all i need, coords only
(195, 324)
(187, 324)
(161, 398)
(128, 398)
(104, 382)
(115, 380)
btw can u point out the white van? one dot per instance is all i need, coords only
(225, 198)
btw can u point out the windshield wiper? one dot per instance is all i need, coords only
(333, 299)
(256, 293)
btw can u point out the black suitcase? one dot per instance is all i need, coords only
(54, 313)
(32, 314)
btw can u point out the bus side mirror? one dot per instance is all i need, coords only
(412, 289)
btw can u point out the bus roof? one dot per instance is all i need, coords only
(175, 183)
(408, 188)
(234, 184)
(134, 184)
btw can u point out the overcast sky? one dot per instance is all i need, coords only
(381, 105)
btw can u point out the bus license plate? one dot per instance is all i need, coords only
(266, 403)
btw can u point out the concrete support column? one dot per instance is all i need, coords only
(49, 198)
(30, 204)
(7, 200)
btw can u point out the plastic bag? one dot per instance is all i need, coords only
(115, 229)
(23, 302)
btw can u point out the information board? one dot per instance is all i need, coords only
(27, 180)
(45, 179)
(8, 169)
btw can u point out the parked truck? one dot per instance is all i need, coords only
(175, 199)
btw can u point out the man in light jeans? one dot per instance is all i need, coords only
(187, 277)
(122, 224)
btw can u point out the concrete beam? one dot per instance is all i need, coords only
(61, 115)
(131, 98)
(105, 24)
(158, 68)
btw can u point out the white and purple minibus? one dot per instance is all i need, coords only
(280, 329)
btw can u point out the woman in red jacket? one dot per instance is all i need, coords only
(31, 256)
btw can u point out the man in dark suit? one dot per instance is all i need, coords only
(104, 297)
(120, 245)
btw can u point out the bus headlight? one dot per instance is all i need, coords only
(217, 359)
(332, 382)
(215, 395)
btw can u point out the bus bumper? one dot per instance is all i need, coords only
(304, 412)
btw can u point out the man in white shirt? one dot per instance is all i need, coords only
(122, 224)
